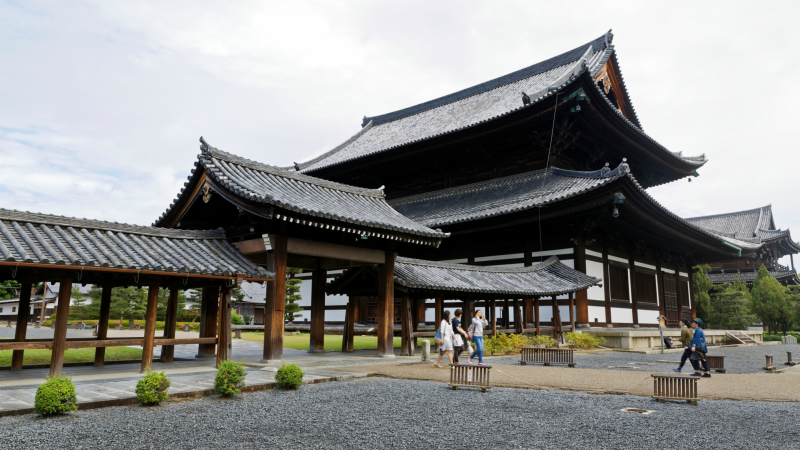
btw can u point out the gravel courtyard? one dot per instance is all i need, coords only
(386, 413)
(737, 359)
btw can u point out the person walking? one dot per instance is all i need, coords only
(446, 331)
(686, 340)
(478, 322)
(459, 335)
(699, 350)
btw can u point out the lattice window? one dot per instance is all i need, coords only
(646, 291)
(619, 283)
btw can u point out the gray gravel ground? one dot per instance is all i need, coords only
(385, 413)
(737, 359)
(41, 333)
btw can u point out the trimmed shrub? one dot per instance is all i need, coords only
(56, 395)
(542, 341)
(583, 341)
(230, 378)
(236, 319)
(152, 389)
(289, 376)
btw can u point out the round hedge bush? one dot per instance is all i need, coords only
(289, 376)
(230, 378)
(56, 395)
(152, 389)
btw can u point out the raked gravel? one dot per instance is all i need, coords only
(385, 413)
(737, 359)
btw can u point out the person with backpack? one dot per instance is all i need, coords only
(686, 340)
(445, 334)
(699, 350)
(476, 331)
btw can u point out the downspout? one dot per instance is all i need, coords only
(733, 246)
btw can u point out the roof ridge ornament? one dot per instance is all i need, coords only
(525, 99)
(204, 146)
(609, 38)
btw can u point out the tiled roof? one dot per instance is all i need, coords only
(479, 104)
(749, 277)
(55, 240)
(550, 277)
(522, 192)
(742, 224)
(303, 194)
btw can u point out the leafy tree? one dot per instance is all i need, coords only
(163, 302)
(731, 305)
(82, 308)
(128, 301)
(702, 298)
(769, 302)
(193, 311)
(291, 309)
(792, 295)
(8, 289)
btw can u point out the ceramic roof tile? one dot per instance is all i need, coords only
(749, 277)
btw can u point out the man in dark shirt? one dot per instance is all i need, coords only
(457, 330)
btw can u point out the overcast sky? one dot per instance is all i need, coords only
(102, 103)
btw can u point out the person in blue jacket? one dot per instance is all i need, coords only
(699, 345)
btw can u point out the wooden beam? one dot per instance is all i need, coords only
(317, 327)
(168, 351)
(634, 296)
(437, 310)
(606, 284)
(327, 250)
(276, 299)
(407, 329)
(582, 296)
(149, 327)
(102, 325)
(22, 324)
(60, 334)
(572, 311)
(386, 306)
(519, 321)
(210, 308)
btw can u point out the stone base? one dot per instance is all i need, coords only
(647, 339)
(316, 351)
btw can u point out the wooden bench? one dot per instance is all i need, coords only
(716, 363)
(546, 356)
(673, 387)
(469, 376)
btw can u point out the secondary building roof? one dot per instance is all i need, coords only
(754, 225)
(784, 275)
(479, 104)
(362, 211)
(41, 239)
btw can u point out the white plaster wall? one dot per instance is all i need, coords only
(647, 316)
(621, 315)
(597, 312)
(595, 269)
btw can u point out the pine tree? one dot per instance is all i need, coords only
(702, 298)
(769, 300)
(163, 303)
(128, 301)
(732, 306)
(9, 289)
(291, 309)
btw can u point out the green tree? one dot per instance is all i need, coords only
(731, 305)
(702, 298)
(163, 302)
(291, 309)
(128, 301)
(191, 313)
(769, 301)
(792, 295)
(81, 308)
(9, 289)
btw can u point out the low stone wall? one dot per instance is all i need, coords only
(638, 339)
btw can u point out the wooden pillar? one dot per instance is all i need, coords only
(660, 280)
(168, 351)
(506, 315)
(210, 306)
(422, 311)
(149, 326)
(691, 292)
(224, 336)
(349, 325)
(60, 334)
(386, 306)
(536, 316)
(572, 311)
(493, 307)
(469, 306)
(276, 299)
(556, 318)
(102, 325)
(438, 307)
(22, 324)
(582, 297)
(519, 322)
(317, 328)
(527, 311)
(634, 299)
(406, 327)
(606, 284)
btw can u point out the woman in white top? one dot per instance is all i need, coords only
(446, 331)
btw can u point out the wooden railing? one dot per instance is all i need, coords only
(546, 356)
(671, 387)
(469, 376)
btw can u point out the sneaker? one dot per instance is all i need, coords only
(470, 360)
(697, 374)
(481, 364)
(676, 370)
(706, 375)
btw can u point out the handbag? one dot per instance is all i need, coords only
(469, 348)
(457, 341)
(697, 355)
(438, 337)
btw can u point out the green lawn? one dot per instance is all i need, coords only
(72, 355)
(333, 342)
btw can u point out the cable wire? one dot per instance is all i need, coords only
(544, 178)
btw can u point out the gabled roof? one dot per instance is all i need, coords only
(528, 191)
(754, 225)
(550, 277)
(292, 191)
(784, 275)
(33, 238)
(479, 104)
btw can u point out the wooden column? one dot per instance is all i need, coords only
(317, 328)
(660, 280)
(168, 351)
(556, 318)
(406, 327)
(210, 304)
(536, 315)
(634, 299)
(519, 322)
(469, 305)
(493, 307)
(386, 306)
(506, 314)
(224, 336)
(572, 311)
(606, 285)
(60, 334)
(349, 325)
(276, 299)
(582, 297)
(527, 311)
(24, 310)
(102, 325)
(149, 326)
(438, 307)
(691, 292)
